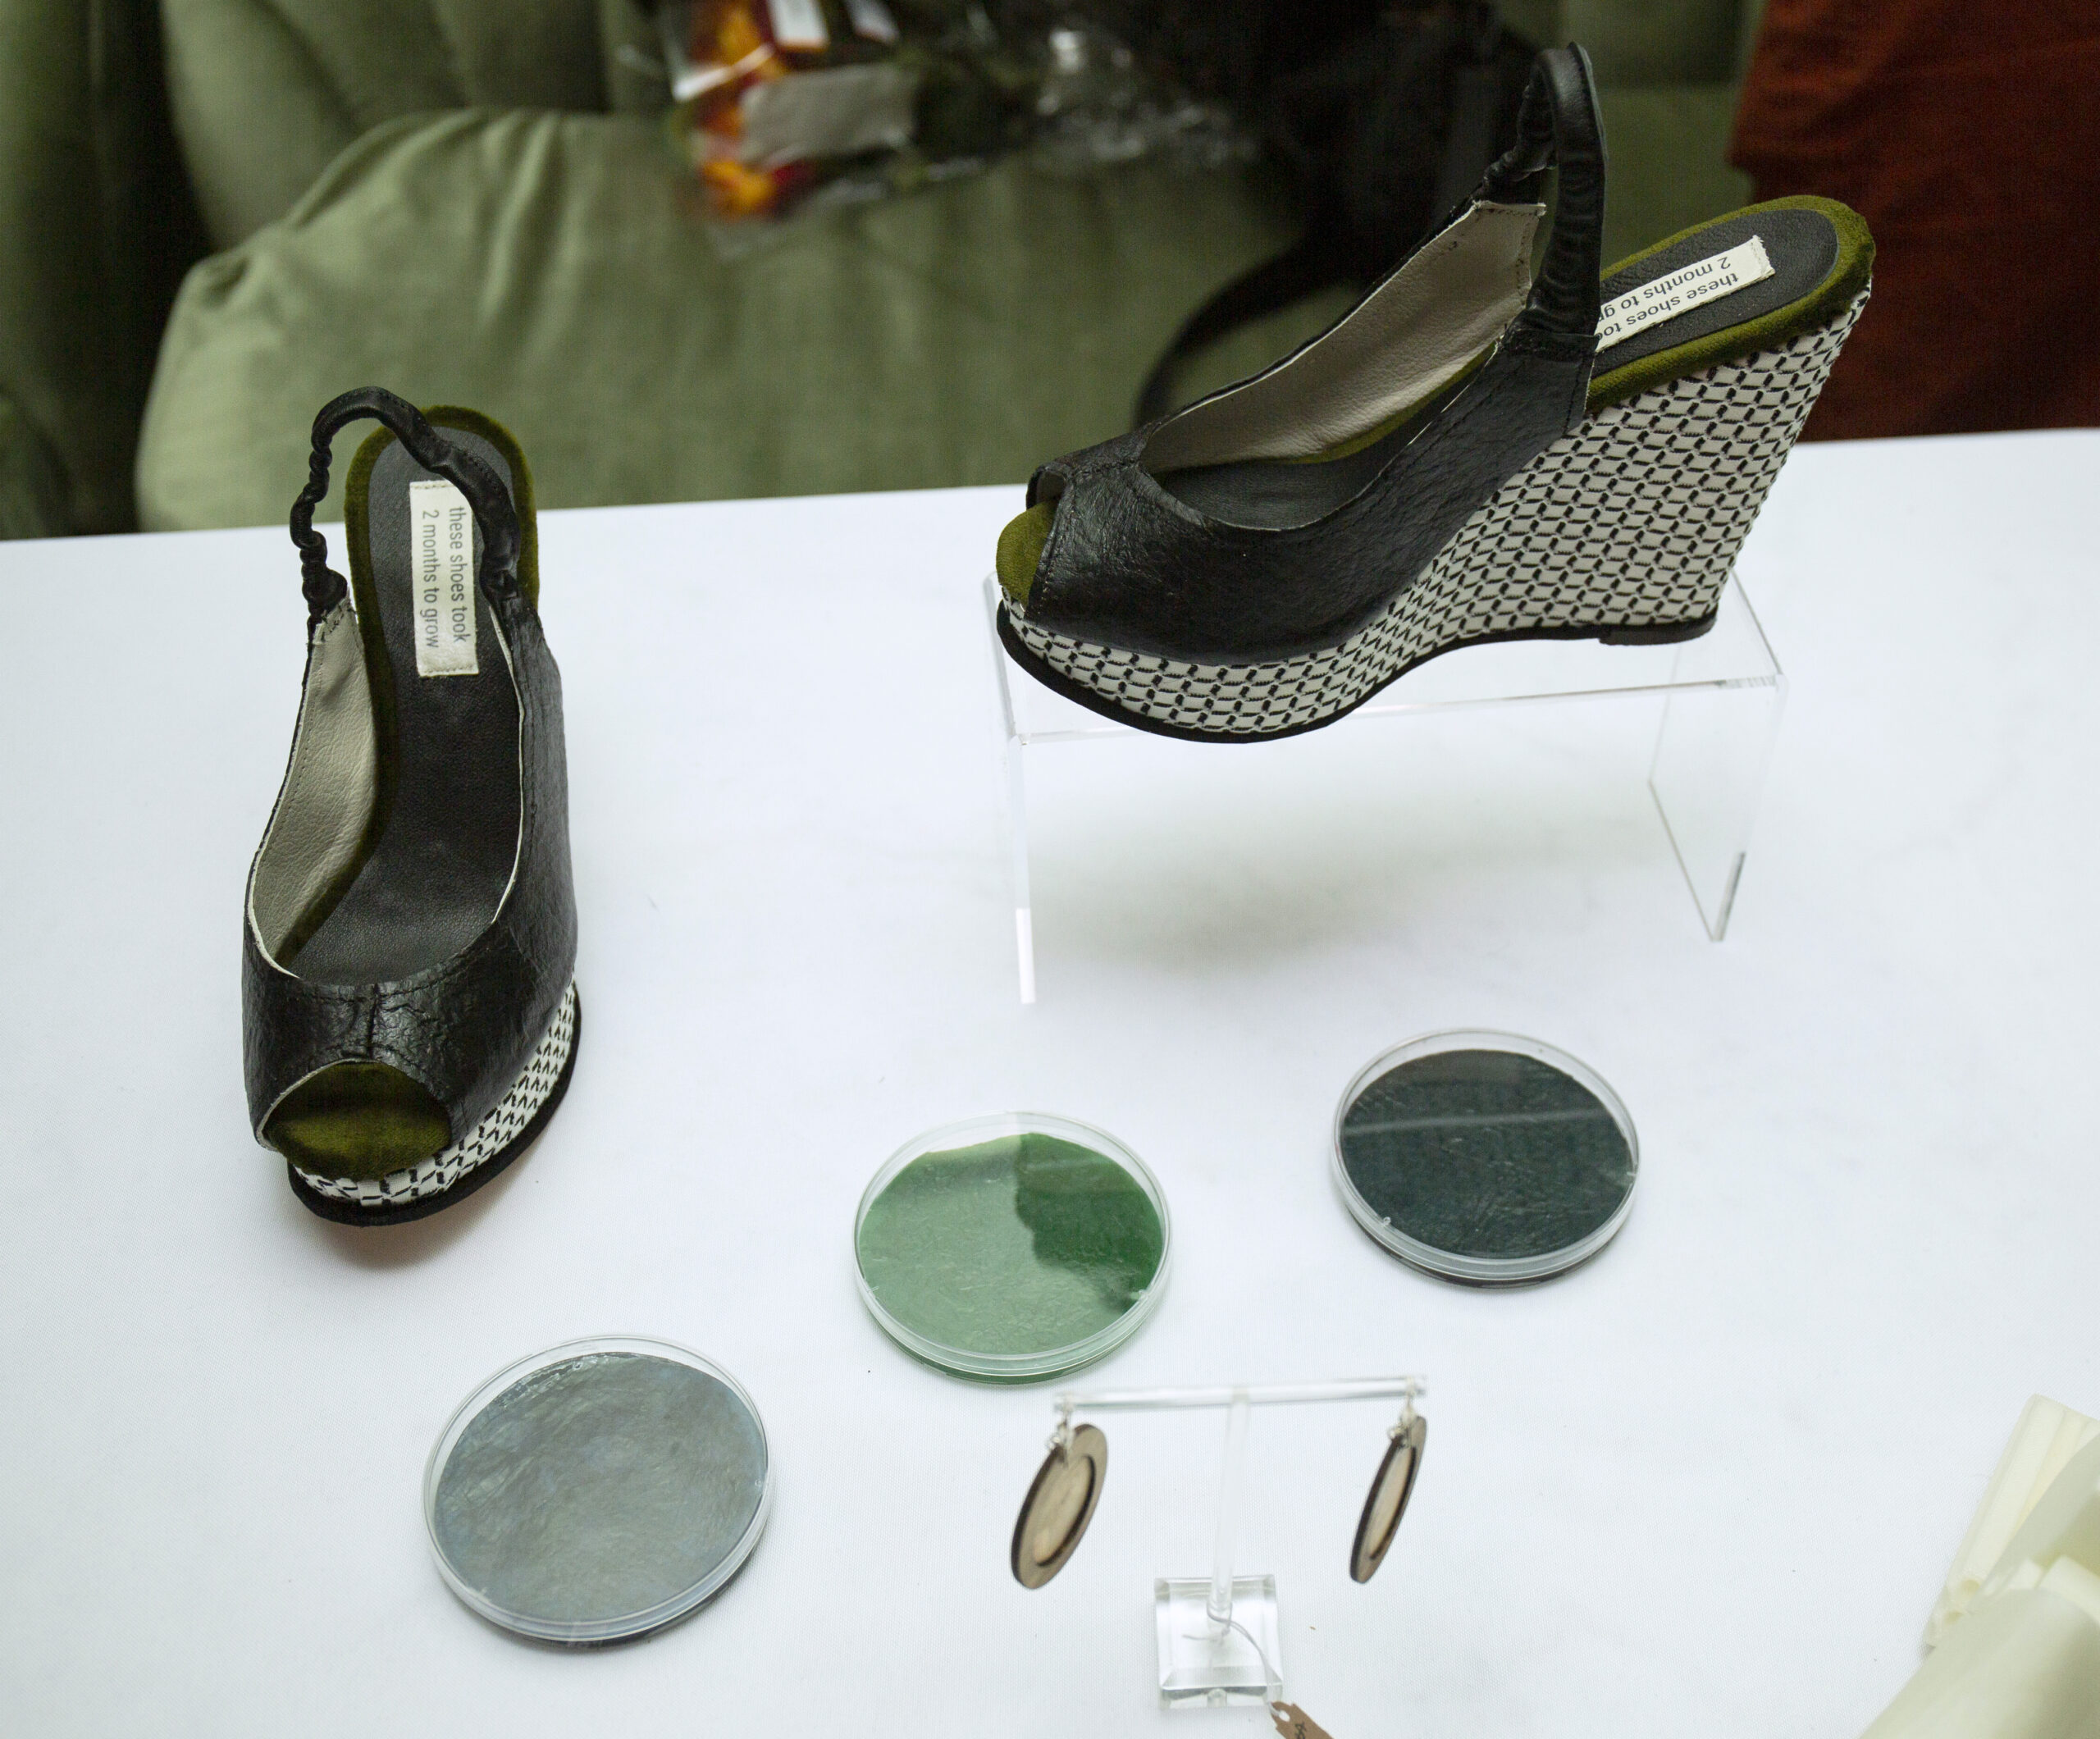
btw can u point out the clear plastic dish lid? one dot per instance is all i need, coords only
(1011, 1248)
(1485, 1157)
(599, 1490)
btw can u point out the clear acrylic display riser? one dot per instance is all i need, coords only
(1717, 700)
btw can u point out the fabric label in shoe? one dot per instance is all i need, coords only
(441, 562)
(1688, 287)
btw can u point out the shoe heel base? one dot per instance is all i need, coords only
(1659, 633)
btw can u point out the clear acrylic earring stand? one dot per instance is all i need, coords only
(1220, 1642)
(1720, 698)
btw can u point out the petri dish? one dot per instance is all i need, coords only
(599, 1490)
(1011, 1248)
(1485, 1157)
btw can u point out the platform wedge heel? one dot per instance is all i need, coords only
(409, 1008)
(1469, 455)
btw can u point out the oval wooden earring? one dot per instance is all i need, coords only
(1388, 1501)
(1059, 1504)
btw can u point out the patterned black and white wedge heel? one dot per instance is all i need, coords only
(409, 1005)
(1468, 455)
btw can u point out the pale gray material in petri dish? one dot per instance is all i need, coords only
(598, 1495)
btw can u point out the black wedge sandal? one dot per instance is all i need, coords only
(1468, 455)
(408, 965)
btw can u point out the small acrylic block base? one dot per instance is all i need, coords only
(1204, 1665)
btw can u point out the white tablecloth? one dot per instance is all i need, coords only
(1708, 1483)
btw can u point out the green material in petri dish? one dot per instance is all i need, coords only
(1486, 1157)
(1015, 1248)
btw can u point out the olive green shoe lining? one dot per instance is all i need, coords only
(1021, 548)
(360, 1121)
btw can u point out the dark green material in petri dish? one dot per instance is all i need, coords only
(1484, 1164)
(1016, 1253)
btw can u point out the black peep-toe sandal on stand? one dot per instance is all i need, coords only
(408, 965)
(1468, 455)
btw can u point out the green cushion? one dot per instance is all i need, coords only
(79, 316)
(1655, 42)
(532, 265)
(1668, 149)
(32, 482)
(632, 52)
(266, 91)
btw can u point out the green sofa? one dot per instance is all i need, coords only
(469, 201)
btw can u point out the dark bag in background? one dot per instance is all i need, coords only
(1384, 119)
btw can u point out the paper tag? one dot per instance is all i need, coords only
(872, 20)
(799, 24)
(1688, 287)
(1293, 1722)
(441, 562)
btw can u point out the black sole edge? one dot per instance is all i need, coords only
(345, 1213)
(1630, 634)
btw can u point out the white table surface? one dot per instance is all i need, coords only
(1708, 1483)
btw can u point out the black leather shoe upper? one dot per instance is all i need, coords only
(1558, 126)
(465, 1026)
(1128, 564)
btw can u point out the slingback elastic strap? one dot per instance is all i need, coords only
(491, 501)
(1558, 126)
